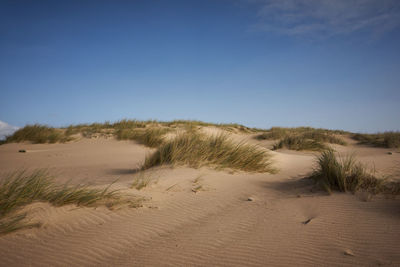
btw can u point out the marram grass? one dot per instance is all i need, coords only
(151, 137)
(120, 129)
(38, 134)
(15, 222)
(21, 188)
(386, 139)
(196, 150)
(344, 174)
(299, 143)
(301, 138)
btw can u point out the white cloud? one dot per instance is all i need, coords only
(6, 129)
(327, 17)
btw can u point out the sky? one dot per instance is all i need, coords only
(261, 63)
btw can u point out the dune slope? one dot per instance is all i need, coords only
(200, 217)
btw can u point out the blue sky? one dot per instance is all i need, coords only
(262, 63)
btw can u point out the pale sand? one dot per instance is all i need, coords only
(215, 226)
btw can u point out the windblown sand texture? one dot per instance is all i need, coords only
(202, 217)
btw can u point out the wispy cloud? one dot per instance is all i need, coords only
(327, 17)
(6, 129)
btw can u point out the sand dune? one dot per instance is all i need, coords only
(202, 217)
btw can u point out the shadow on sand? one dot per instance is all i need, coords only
(294, 186)
(123, 171)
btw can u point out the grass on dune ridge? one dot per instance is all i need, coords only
(21, 188)
(386, 139)
(88, 129)
(38, 134)
(302, 138)
(276, 133)
(299, 143)
(195, 150)
(123, 129)
(151, 137)
(346, 174)
(298, 138)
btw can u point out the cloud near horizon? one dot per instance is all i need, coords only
(327, 18)
(6, 129)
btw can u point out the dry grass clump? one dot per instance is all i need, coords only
(386, 139)
(344, 174)
(299, 143)
(325, 137)
(234, 127)
(130, 124)
(280, 132)
(273, 134)
(123, 129)
(195, 123)
(21, 188)
(151, 137)
(301, 138)
(195, 150)
(88, 130)
(38, 134)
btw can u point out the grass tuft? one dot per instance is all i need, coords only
(38, 134)
(151, 137)
(301, 138)
(21, 188)
(386, 139)
(274, 133)
(196, 150)
(299, 143)
(344, 174)
(14, 223)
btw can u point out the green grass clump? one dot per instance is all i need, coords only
(323, 137)
(273, 134)
(38, 134)
(151, 137)
(344, 174)
(20, 189)
(299, 143)
(386, 139)
(196, 150)
(301, 138)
